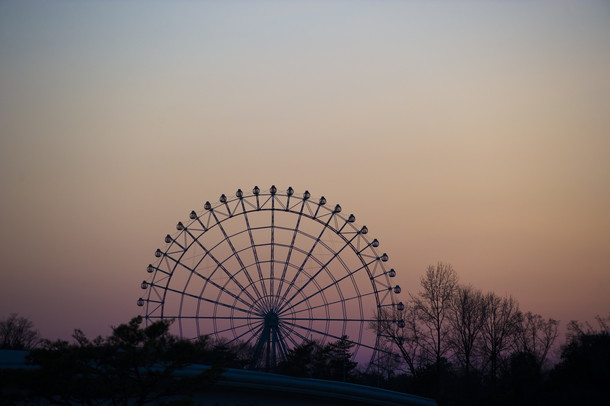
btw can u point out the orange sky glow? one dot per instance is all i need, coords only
(475, 133)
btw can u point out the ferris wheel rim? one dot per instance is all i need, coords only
(269, 311)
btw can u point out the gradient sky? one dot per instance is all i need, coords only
(472, 132)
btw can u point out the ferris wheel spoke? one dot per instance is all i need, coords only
(232, 328)
(216, 317)
(216, 331)
(290, 285)
(289, 332)
(238, 257)
(229, 274)
(259, 347)
(221, 289)
(329, 319)
(272, 247)
(254, 251)
(205, 299)
(327, 334)
(293, 331)
(280, 343)
(251, 329)
(322, 268)
(207, 280)
(290, 247)
(270, 347)
(330, 303)
(319, 291)
(252, 336)
(309, 254)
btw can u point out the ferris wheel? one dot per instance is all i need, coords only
(272, 270)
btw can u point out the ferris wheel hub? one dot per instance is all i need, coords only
(272, 319)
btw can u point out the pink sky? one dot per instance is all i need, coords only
(475, 133)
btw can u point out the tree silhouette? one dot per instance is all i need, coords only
(339, 365)
(314, 360)
(407, 336)
(501, 323)
(17, 333)
(467, 318)
(433, 304)
(536, 335)
(134, 366)
(583, 374)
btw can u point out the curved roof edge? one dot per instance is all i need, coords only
(319, 391)
(316, 388)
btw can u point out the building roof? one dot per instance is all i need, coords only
(254, 387)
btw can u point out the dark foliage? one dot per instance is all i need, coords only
(139, 365)
(583, 375)
(313, 360)
(134, 366)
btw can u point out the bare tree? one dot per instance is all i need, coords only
(467, 321)
(604, 324)
(401, 330)
(576, 328)
(536, 336)
(387, 363)
(502, 318)
(433, 306)
(17, 333)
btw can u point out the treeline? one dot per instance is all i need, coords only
(450, 342)
(138, 365)
(135, 366)
(462, 346)
(474, 331)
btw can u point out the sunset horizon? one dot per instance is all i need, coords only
(475, 134)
